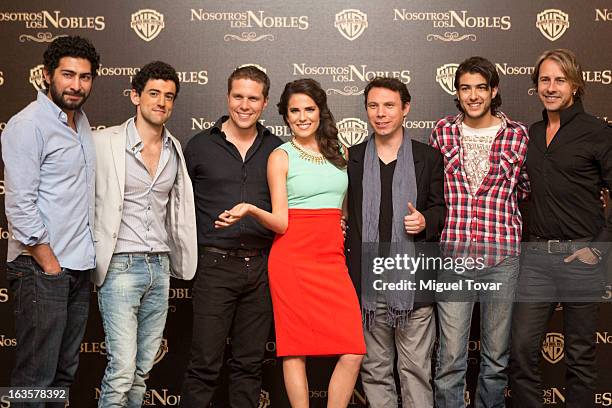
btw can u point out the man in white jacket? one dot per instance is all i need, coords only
(145, 231)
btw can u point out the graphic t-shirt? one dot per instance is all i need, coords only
(476, 145)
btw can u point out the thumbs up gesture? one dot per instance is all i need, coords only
(414, 222)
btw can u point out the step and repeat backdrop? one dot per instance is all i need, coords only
(341, 44)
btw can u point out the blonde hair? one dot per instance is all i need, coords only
(569, 65)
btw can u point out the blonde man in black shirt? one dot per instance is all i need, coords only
(569, 160)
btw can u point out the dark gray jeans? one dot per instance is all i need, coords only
(50, 320)
(546, 279)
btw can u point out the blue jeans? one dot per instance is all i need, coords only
(50, 319)
(454, 320)
(133, 302)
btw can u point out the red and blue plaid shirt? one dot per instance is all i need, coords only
(487, 223)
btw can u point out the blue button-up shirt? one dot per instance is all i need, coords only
(49, 183)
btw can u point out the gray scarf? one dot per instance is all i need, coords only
(399, 302)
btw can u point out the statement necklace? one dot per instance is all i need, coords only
(309, 155)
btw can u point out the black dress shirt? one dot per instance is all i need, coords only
(566, 178)
(221, 179)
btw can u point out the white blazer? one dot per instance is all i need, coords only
(110, 146)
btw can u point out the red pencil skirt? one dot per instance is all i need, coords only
(316, 310)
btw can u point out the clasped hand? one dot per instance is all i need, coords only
(232, 216)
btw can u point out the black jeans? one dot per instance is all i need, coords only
(231, 297)
(545, 280)
(50, 321)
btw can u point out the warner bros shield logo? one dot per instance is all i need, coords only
(445, 76)
(37, 78)
(351, 23)
(552, 347)
(147, 23)
(552, 23)
(352, 131)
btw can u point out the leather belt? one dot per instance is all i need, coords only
(558, 246)
(236, 253)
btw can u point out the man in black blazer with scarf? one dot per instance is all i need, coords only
(400, 186)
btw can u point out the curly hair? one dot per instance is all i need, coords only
(71, 46)
(327, 133)
(484, 67)
(155, 70)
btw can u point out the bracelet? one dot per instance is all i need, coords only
(596, 252)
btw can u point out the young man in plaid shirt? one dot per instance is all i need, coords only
(484, 179)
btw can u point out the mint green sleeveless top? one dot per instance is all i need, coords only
(312, 185)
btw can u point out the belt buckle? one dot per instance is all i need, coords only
(553, 241)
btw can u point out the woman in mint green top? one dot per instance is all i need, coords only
(312, 185)
(316, 310)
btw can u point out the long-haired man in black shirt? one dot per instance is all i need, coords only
(231, 298)
(569, 160)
